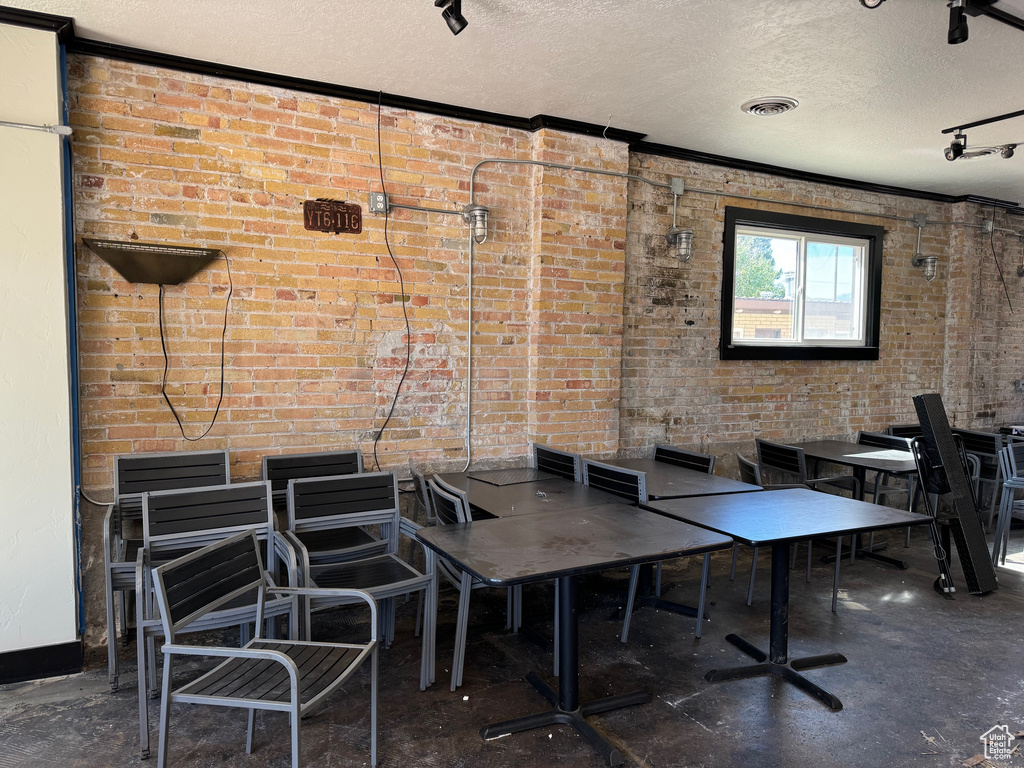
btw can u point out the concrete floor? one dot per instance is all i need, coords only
(925, 678)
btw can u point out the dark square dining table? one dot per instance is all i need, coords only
(777, 519)
(555, 493)
(562, 545)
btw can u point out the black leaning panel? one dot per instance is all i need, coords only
(965, 526)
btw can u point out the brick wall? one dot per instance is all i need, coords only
(587, 334)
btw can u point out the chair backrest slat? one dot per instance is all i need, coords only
(138, 473)
(451, 505)
(783, 458)
(328, 501)
(194, 517)
(985, 444)
(878, 440)
(206, 579)
(561, 463)
(699, 462)
(905, 430)
(296, 466)
(627, 483)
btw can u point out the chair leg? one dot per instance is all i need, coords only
(753, 570)
(732, 569)
(373, 708)
(835, 578)
(705, 575)
(810, 550)
(165, 717)
(296, 719)
(249, 728)
(657, 580)
(792, 557)
(461, 620)
(112, 660)
(634, 577)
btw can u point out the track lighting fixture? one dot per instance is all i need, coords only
(451, 12)
(957, 22)
(871, 3)
(476, 216)
(956, 147)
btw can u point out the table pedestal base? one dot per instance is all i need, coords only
(576, 718)
(785, 671)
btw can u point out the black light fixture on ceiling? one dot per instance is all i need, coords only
(957, 22)
(451, 12)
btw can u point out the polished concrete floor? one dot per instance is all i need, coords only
(926, 677)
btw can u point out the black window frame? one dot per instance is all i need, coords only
(785, 222)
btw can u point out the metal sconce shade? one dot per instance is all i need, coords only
(476, 216)
(681, 241)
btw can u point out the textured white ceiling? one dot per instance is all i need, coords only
(876, 87)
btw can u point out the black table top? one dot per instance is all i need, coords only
(667, 481)
(527, 498)
(513, 550)
(874, 457)
(775, 517)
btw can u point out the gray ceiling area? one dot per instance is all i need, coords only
(875, 87)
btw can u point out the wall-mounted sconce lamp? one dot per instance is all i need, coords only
(679, 240)
(929, 264)
(476, 216)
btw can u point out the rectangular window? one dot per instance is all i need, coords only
(796, 287)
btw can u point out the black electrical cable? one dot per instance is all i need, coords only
(401, 284)
(992, 244)
(223, 336)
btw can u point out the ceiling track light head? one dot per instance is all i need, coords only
(957, 22)
(871, 3)
(451, 12)
(956, 147)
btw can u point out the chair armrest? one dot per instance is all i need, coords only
(109, 534)
(301, 557)
(408, 528)
(334, 592)
(171, 649)
(286, 552)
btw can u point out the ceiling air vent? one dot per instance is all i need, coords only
(769, 105)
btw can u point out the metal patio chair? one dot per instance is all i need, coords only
(631, 485)
(283, 676)
(698, 462)
(178, 522)
(1011, 460)
(319, 506)
(135, 474)
(556, 462)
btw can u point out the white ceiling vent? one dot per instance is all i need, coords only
(769, 105)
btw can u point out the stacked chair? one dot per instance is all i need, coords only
(1011, 465)
(134, 475)
(319, 508)
(178, 522)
